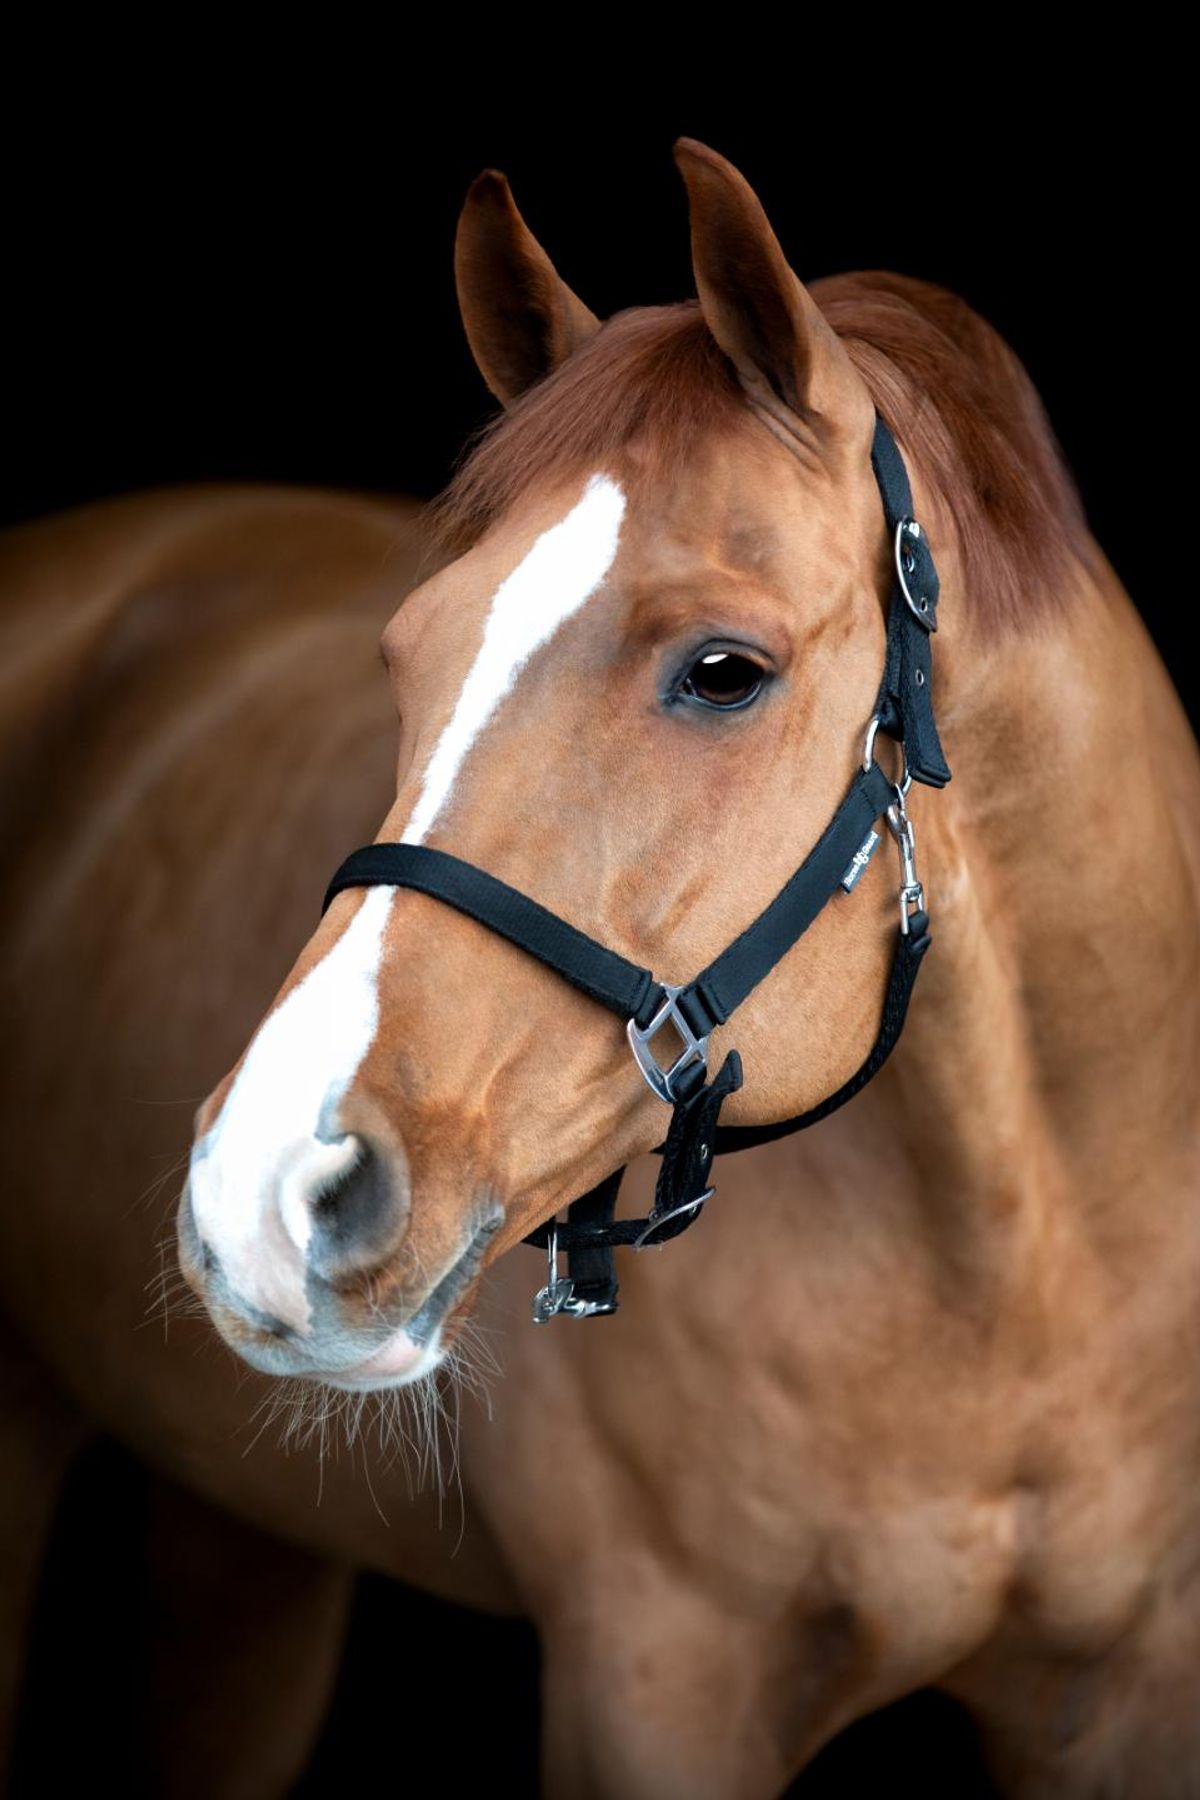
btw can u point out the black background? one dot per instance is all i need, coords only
(239, 284)
(222, 268)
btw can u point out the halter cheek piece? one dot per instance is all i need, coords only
(904, 710)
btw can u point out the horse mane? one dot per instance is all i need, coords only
(957, 398)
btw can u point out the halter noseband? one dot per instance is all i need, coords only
(904, 710)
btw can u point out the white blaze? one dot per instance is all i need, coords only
(563, 569)
(254, 1175)
(251, 1192)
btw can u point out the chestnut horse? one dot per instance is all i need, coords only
(917, 1401)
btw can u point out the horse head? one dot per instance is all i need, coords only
(634, 693)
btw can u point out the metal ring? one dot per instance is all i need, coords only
(869, 754)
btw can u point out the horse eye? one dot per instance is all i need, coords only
(723, 679)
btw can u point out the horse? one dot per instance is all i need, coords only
(914, 1403)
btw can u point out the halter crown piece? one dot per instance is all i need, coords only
(904, 710)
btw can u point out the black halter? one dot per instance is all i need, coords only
(904, 710)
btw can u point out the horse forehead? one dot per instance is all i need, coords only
(520, 563)
(690, 531)
(563, 556)
(750, 533)
(666, 576)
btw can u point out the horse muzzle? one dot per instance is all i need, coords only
(313, 1274)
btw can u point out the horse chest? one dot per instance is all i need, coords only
(767, 1484)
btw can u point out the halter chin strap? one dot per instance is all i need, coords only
(903, 709)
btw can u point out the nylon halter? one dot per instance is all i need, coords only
(904, 711)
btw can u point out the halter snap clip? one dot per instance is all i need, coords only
(912, 895)
(558, 1295)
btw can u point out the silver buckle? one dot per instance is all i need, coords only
(558, 1295)
(918, 605)
(911, 892)
(695, 1049)
(641, 1241)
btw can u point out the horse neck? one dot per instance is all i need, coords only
(1045, 1070)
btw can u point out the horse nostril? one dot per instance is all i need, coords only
(358, 1215)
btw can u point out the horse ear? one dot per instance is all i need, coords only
(520, 317)
(759, 311)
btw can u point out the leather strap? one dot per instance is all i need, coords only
(719, 989)
(613, 980)
(906, 962)
(904, 704)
